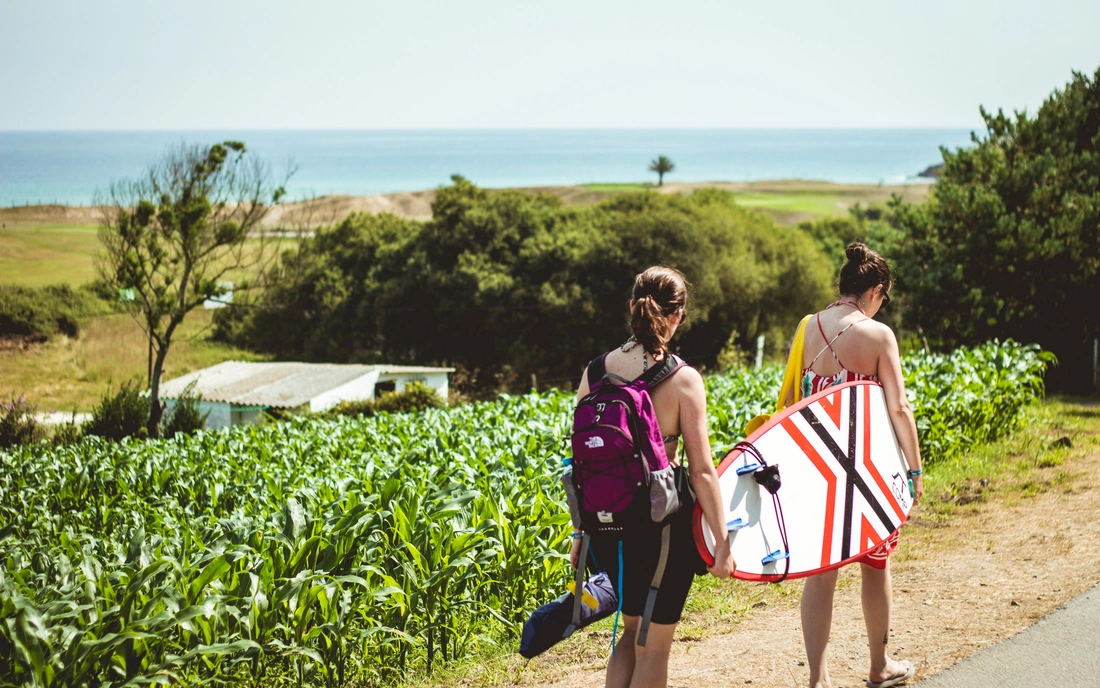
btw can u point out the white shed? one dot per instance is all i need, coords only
(236, 393)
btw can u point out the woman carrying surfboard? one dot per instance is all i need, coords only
(843, 344)
(653, 560)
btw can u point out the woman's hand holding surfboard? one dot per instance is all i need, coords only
(724, 565)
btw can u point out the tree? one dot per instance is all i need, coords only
(1009, 243)
(174, 236)
(661, 166)
(508, 284)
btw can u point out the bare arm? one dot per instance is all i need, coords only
(901, 415)
(575, 548)
(704, 478)
(582, 388)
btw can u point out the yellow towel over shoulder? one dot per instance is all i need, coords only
(791, 391)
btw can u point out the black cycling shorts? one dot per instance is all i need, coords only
(641, 550)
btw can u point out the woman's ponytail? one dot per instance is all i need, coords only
(658, 293)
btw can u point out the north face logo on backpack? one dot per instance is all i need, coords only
(594, 442)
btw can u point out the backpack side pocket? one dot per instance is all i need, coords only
(664, 500)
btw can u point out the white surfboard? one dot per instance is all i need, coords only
(844, 487)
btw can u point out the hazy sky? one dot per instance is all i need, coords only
(228, 64)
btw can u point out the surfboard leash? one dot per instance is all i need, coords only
(767, 476)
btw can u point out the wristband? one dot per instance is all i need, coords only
(577, 536)
(913, 472)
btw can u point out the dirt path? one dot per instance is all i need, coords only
(960, 584)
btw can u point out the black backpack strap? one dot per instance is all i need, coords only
(654, 586)
(662, 371)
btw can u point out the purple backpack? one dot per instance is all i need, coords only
(620, 471)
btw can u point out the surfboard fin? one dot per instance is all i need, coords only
(736, 524)
(750, 467)
(777, 555)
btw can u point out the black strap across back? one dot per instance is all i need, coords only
(652, 377)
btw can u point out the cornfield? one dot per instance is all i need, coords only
(345, 551)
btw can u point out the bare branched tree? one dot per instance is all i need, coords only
(172, 239)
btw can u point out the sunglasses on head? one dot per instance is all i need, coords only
(885, 298)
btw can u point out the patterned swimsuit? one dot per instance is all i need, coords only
(812, 383)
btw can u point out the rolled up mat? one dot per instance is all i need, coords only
(547, 624)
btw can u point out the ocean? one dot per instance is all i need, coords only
(69, 167)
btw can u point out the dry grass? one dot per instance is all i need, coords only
(73, 374)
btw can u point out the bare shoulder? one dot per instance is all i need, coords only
(688, 380)
(877, 331)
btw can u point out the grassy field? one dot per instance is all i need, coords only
(616, 188)
(788, 201)
(73, 374)
(809, 203)
(51, 254)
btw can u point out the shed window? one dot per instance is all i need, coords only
(381, 388)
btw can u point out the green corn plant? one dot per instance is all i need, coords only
(347, 551)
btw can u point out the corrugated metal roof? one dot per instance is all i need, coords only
(281, 384)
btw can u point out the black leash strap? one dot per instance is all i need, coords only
(768, 478)
(578, 588)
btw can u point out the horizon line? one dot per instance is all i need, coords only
(485, 129)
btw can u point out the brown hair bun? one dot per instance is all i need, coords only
(864, 270)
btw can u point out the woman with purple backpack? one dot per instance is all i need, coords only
(653, 560)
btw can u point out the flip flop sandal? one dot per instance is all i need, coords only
(895, 679)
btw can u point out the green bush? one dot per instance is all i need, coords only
(46, 311)
(362, 407)
(120, 415)
(67, 433)
(1008, 244)
(503, 281)
(186, 418)
(415, 397)
(17, 423)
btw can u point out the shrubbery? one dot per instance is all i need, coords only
(1009, 243)
(120, 415)
(415, 397)
(505, 284)
(46, 311)
(17, 423)
(187, 418)
(67, 433)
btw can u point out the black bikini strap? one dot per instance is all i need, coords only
(596, 370)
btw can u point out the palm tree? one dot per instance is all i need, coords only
(661, 166)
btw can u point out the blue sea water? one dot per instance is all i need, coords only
(68, 167)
